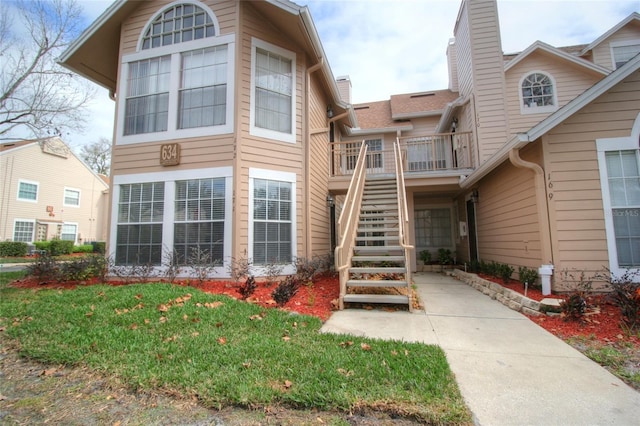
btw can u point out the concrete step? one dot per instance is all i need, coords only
(376, 298)
(364, 249)
(378, 270)
(376, 283)
(381, 229)
(378, 259)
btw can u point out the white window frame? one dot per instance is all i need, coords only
(259, 131)
(64, 197)
(33, 230)
(615, 144)
(75, 237)
(169, 180)
(175, 51)
(452, 235)
(538, 109)
(273, 175)
(622, 43)
(29, 182)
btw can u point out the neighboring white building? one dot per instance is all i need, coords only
(46, 191)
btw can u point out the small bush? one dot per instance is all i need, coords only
(13, 249)
(239, 268)
(626, 295)
(247, 288)
(44, 269)
(99, 247)
(43, 246)
(444, 256)
(574, 307)
(85, 248)
(529, 276)
(59, 247)
(474, 266)
(285, 290)
(425, 257)
(505, 272)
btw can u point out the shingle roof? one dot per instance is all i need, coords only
(7, 146)
(396, 111)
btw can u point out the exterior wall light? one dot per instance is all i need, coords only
(474, 196)
(330, 200)
(329, 111)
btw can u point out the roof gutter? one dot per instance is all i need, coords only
(363, 132)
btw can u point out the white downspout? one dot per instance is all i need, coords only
(546, 269)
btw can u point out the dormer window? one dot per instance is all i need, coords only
(179, 84)
(537, 93)
(622, 52)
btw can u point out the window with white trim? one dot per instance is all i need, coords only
(71, 197)
(199, 221)
(139, 224)
(619, 162)
(621, 54)
(272, 222)
(23, 230)
(27, 191)
(272, 92)
(180, 82)
(537, 93)
(69, 232)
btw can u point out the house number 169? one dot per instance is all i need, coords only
(170, 154)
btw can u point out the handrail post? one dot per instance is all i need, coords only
(403, 219)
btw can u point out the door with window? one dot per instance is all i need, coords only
(375, 159)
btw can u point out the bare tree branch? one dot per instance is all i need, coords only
(97, 155)
(35, 92)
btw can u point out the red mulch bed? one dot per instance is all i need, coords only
(313, 299)
(602, 321)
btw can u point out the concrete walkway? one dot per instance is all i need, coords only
(510, 371)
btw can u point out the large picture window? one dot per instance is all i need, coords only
(179, 84)
(273, 92)
(199, 220)
(271, 222)
(139, 229)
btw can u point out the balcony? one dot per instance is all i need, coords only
(423, 157)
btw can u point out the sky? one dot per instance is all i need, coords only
(399, 46)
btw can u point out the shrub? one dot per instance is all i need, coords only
(425, 256)
(271, 272)
(285, 290)
(573, 307)
(44, 269)
(626, 295)
(444, 256)
(59, 247)
(474, 266)
(13, 249)
(529, 276)
(99, 247)
(239, 268)
(43, 246)
(85, 248)
(505, 272)
(247, 288)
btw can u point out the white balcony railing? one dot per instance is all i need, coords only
(438, 152)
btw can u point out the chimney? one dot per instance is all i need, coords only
(452, 62)
(344, 88)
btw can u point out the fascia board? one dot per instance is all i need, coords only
(538, 45)
(614, 29)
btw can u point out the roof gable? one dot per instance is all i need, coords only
(561, 54)
(635, 16)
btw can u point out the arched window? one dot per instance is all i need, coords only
(537, 91)
(180, 23)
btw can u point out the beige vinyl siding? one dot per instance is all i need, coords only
(422, 126)
(52, 174)
(575, 199)
(570, 81)
(602, 52)
(319, 220)
(262, 153)
(463, 53)
(507, 215)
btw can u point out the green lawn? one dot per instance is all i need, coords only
(228, 352)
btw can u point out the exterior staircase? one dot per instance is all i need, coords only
(379, 260)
